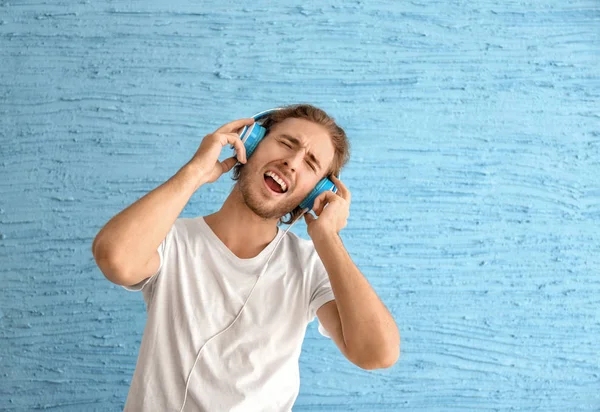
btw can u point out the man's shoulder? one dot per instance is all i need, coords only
(303, 248)
(299, 242)
(187, 225)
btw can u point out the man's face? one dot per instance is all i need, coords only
(300, 153)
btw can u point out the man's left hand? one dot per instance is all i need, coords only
(334, 217)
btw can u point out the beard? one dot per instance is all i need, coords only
(256, 202)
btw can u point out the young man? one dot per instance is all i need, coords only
(202, 352)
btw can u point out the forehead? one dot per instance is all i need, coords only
(313, 135)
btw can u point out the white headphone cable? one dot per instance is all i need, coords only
(243, 306)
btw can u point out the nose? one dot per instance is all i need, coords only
(294, 160)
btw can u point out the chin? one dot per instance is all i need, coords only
(263, 201)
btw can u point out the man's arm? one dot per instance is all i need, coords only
(125, 249)
(357, 320)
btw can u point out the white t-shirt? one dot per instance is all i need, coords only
(198, 290)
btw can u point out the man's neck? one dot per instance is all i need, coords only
(240, 229)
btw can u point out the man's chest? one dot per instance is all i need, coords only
(198, 304)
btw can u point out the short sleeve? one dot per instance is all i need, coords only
(321, 293)
(147, 284)
(149, 281)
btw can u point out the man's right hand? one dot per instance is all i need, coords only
(206, 160)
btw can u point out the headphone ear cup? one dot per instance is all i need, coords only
(324, 185)
(251, 137)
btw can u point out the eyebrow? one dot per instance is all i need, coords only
(296, 142)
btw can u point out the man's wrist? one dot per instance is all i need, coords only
(193, 176)
(322, 233)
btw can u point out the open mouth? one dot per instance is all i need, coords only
(274, 183)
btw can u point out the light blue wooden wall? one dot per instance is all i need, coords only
(474, 172)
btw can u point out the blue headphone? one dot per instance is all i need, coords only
(251, 137)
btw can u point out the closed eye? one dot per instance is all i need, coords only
(307, 162)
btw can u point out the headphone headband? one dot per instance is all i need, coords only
(265, 113)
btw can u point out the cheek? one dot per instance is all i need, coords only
(305, 186)
(262, 156)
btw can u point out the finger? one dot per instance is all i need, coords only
(322, 200)
(316, 204)
(342, 189)
(308, 218)
(227, 164)
(240, 149)
(235, 125)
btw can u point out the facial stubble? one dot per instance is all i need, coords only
(251, 197)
